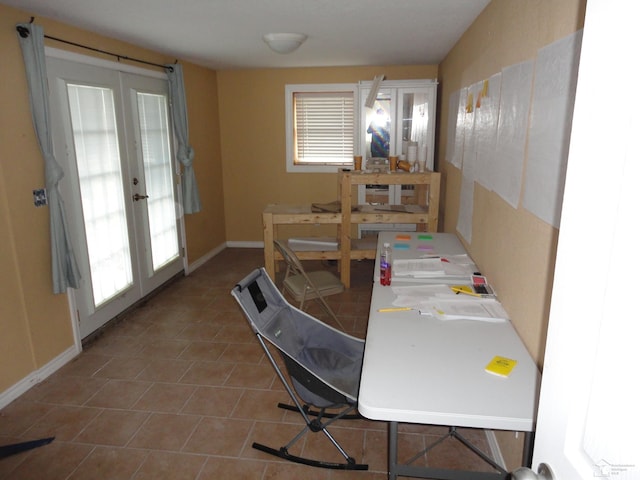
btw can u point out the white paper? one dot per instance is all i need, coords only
(422, 297)
(486, 310)
(422, 291)
(418, 267)
(486, 130)
(515, 95)
(469, 160)
(550, 128)
(456, 158)
(454, 101)
(465, 212)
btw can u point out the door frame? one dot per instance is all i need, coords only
(124, 68)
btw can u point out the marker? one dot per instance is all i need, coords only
(460, 290)
(394, 309)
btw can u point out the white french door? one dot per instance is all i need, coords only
(113, 138)
(588, 412)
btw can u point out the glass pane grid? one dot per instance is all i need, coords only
(156, 153)
(98, 160)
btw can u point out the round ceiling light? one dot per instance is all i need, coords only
(284, 42)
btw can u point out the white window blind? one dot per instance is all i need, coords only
(320, 126)
(323, 128)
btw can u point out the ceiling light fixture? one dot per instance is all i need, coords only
(284, 42)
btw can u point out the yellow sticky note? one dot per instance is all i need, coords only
(501, 366)
(469, 108)
(485, 88)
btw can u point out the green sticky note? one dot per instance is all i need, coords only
(425, 237)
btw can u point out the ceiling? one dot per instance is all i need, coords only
(226, 34)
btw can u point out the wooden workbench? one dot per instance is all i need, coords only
(424, 215)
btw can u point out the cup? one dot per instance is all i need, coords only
(357, 162)
(393, 163)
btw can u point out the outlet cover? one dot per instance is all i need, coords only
(40, 197)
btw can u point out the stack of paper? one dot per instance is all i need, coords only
(419, 267)
(440, 301)
(487, 310)
(433, 267)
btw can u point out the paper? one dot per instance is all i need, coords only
(486, 310)
(515, 95)
(418, 295)
(418, 267)
(486, 128)
(465, 212)
(500, 366)
(550, 127)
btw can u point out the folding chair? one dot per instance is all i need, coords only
(303, 285)
(322, 364)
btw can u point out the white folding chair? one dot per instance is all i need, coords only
(303, 285)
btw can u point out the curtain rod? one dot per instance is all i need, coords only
(24, 33)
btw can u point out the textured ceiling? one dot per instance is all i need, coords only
(224, 34)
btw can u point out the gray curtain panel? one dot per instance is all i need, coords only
(63, 262)
(178, 99)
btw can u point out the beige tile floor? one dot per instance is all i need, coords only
(179, 389)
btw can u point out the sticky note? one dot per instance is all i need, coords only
(401, 246)
(403, 237)
(501, 366)
(424, 247)
(425, 237)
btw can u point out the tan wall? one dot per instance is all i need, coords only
(34, 323)
(252, 114)
(514, 248)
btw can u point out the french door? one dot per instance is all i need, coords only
(112, 136)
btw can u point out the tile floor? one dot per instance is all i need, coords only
(179, 389)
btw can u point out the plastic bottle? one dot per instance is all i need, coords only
(385, 264)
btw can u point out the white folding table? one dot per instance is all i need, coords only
(420, 369)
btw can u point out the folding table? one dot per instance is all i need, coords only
(420, 369)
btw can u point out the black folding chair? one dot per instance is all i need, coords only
(322, 364)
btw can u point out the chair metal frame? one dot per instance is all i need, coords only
(304, 386)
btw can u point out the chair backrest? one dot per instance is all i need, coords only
(314, 347)
(294, 265)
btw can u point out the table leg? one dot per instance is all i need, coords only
(393, 450)
(527, 451)
(269, 258)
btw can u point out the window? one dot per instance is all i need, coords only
(320, 124)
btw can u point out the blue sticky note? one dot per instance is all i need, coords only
(401, 246)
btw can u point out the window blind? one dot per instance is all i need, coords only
(323, 128)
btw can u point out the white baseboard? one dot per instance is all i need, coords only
(39, 375)
(65, 357)
(205, 258)
(245, 244)
(496, 453)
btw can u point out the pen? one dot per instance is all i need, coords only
(395, 309)
(460, 290)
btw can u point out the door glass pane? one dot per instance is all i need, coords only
(98, 157)
(415, 118)
(378, 122)
(156, 154)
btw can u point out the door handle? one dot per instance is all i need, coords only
(137, 197)
(523, 473)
